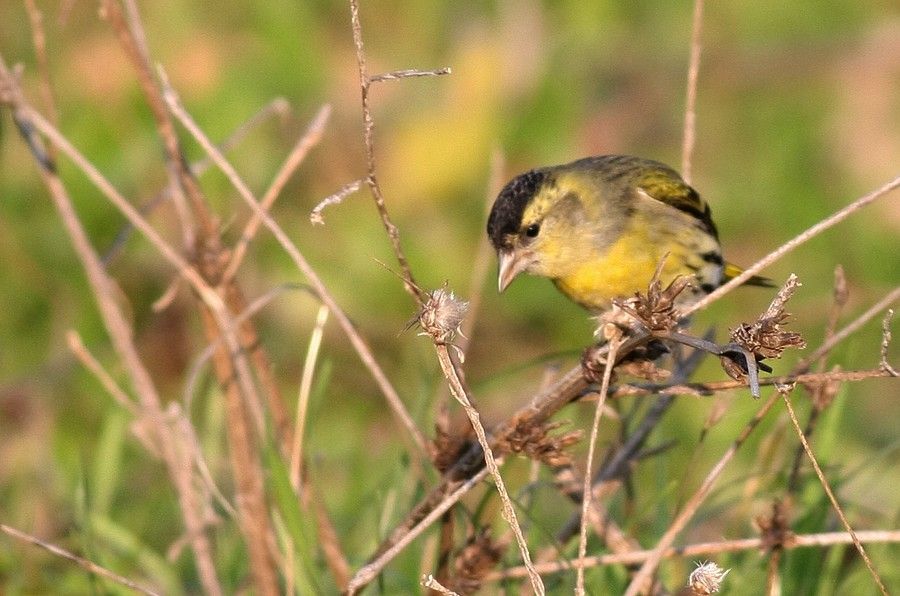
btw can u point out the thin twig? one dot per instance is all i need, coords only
(39, 38)
(315, 216)
(85, 564)
(834, 502)
(699, 549)
(586, 493)
(886, 343)
(393, 398)
(77, 347)
(432, 584)
(305, 143)
(690, 107)
(365, 81)
(508, 511)
(711, 387)
(849, 329)
(408, 73)
(793, 243)
(278, 106)
(368, 572)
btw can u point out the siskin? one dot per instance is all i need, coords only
(599, 227)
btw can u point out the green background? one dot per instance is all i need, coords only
(798, 114)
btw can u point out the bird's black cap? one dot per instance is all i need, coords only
(506, 214)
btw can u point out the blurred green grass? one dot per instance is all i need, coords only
(786, 135)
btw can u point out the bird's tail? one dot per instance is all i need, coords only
(731, 271)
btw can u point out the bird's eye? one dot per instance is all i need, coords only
(532, 230)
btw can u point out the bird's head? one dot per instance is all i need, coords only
(536, 224)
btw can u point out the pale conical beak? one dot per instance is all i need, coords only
(512, 263)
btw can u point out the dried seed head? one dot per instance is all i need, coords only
(442, 314)
(480, 554)
(657, 310)
(706, 578)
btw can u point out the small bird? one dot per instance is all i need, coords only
(599, 227)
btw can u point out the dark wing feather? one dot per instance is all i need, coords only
(666, 186)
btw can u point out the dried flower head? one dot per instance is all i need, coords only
(442, 314)
(480, 554)
(765, 338)
(706, 578)
(536, 442)
(657, 309)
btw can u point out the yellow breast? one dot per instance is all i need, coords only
(628, 265)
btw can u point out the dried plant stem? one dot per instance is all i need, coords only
(830, 493)
(407, 73)
(365, 82)
(85, 564)
(77, 347)
(131, 36)
(699, 550)
(793, 243)
(643, 577)
(586, 492)
(773, 577)
(304, 144)
(278, 106)
(690, 107)
(448, 366)
(362, 349)
(703, 389)
(367, 573)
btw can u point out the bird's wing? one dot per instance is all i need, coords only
(674, 192)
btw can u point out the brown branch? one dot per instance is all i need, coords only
(700, 549)
(85, 564)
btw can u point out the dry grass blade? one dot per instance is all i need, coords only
(886, 343)
(315, 216)
(85, 564)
